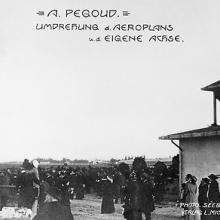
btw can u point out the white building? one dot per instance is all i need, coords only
(200, 149)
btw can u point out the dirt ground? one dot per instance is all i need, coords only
(90, 208)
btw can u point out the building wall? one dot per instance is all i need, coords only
(200, 157)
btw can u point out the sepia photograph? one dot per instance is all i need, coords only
(109, 110)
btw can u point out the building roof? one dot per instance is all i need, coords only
(203, 132)
(212, 87)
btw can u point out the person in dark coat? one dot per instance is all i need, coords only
(52, 209)
(80, 186)
(133, 207)
(107, 205)
(213, 194)
(119, 183)
(4, 192)
(203, 196)
(133, 199)
(147, 196)
(25, 186)
(62, 183)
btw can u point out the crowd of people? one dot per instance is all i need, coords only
(48, 191)
(205, 206)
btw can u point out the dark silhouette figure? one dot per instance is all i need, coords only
(107, 196)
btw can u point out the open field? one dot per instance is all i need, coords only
(74, 165)
(90, 209)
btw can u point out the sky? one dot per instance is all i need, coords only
(64, 96)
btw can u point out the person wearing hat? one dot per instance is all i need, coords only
(213, 193)
(213, 196)
(203, 196)
(133, 198)
(36, 185)
(24, 186)
(107, 205)
(190, 197)
(147, 196)
(52, 208)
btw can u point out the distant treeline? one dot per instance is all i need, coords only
(64, 160)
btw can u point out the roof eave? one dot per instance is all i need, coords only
(190, 135)
(212, 87)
